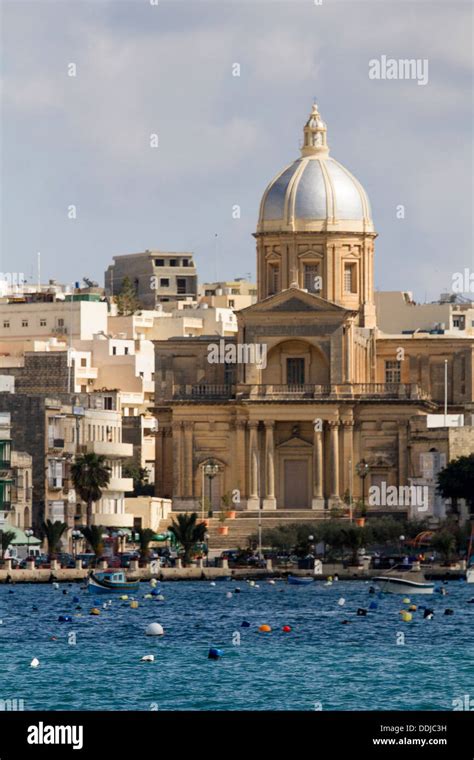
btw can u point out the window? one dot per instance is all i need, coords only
(159, 262)
(164, 282)
(114, 350)
(459, 322)
(173, 262)
(125, 350)
(60, 322)
(311, 278)
(83, 362)
(231, 303)
(141, 374)
(108, 403)
(181, 285)
(185, 263)
(24, 323)
(6, 324)
(273, 279)
(393, 371)
(295, 371)
(349, 278)
(83, 388)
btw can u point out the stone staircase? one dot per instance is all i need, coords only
(246, 524)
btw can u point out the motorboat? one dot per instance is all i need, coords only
(296, 580)
(408, 582)
(111, 581)
(470, 574)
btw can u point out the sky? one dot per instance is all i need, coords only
(167, 70)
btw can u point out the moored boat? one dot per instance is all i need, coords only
(470, 574)
(410, 582)
(296, 580)
(111, 582)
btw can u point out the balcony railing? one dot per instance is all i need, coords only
(302, 391)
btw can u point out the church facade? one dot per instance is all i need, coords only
(309, 389)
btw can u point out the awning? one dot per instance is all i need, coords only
(20, 537)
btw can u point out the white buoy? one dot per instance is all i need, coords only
(55, 585)
(256, 586)
(160, 598)
(272, 582)
(153, 582)
(251, 583)
(154, 629)
(148, 658)
(328, 583)
(341, 602)
(34, 662)
(229, 595)
(213, 583)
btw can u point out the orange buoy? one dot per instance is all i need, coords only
(265, 629)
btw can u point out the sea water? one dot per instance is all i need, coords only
(373, 662)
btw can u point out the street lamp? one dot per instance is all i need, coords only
(76, 536)
(206, 539)
(400, 541)
(121, 535)
(28, 534)
(211, 469)
(362, 469)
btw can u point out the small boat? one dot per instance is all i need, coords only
(111, 582)
(470, 574)
(409, 582)
(296, 580)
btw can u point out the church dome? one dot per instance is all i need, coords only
(315, 193)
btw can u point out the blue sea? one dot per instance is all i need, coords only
(374, 662)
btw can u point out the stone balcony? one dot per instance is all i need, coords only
(301, 392)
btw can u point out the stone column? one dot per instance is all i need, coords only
(334, 460)
(188, 458)
(269, 501)
(253, 499)
(241, 459)
(177, 460)
(318, 470)
(402, 453)
(348, 454)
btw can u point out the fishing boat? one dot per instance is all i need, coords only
(111, 582)
(408, 582)
(295, 580)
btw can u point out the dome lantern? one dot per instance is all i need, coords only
(315, 135)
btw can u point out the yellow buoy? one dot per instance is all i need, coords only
(406, 600)
(94, 611)
(405, 616)
(124, 597)
(265, 629)
(412, 607)
(148, 596)
(134, 605)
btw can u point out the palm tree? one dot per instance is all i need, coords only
(187, 532)
(6, 537)
(145, 536)
(90, 475)
(94, 537)
(53, 532)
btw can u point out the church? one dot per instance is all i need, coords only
(336, 406)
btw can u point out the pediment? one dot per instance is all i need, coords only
(295, 300)
(295, 443)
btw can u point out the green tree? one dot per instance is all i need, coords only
(52, 532)
(127, 301)
(140, 475)
(145, 536)
(456, 481)
(444, 542)
(90, 475)
(6, 537)
(187, 532)
(355, 538)
(94, 537)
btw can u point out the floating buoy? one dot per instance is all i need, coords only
(412, 608)
(470, 601)
(155, 591)
(341, 602)
(405, 616)
(428, 614)
(328, 583)
(345, 622)
(256, 586)
(271, 582)
(229, 595)
(64, 619)
(154, 629)
(55, 585)
(373, 606)
(34, 662)
(245, 624)
(449, 612)
(53, 638)
(94, 611)
(336, 577)
(153, 582)
(78, 607)
(264, 629)
(148, 596)
(237, 590)
(134, 605)
(329, 578)
(286, 628)
(443, 591)
(124, 597)
(148, 658)
(65, 591)
(251, 583)
(214, 653)
(160, 598)
(212, 583)
(406, 600)
(361, 611)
